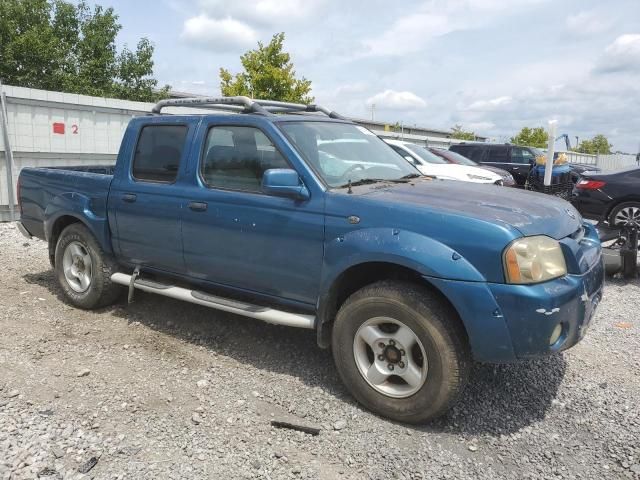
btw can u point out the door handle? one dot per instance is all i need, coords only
(516, 168)
(129, 197)
(198, 206)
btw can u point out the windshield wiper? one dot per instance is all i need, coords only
(411, 175)
(364, 181)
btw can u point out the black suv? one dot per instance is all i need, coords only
(516, 159)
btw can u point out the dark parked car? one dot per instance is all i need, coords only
(516, 159)
(453, 157)
(613, 196)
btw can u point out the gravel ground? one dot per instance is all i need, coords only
(163, 389)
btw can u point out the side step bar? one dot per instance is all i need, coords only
(258, 312)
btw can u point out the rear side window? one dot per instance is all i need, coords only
(236, 158)
(158, 153)
(498, 154)
(475, 153)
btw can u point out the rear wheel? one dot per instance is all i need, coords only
(625, 214)
(84, 270)
(401, 351)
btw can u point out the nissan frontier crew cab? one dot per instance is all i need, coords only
(293, 215)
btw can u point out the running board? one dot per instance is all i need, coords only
(258, 312)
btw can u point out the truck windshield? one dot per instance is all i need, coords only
(343, 153)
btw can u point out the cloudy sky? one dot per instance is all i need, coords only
(493, 66)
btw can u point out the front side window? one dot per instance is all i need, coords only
(158, 152)
(521, 155)
(236, 158)
(341, 152)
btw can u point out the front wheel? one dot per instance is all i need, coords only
(401, 351)
(84, 270)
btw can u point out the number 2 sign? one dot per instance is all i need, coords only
(59, 128)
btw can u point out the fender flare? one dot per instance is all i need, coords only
(424, 255)
(78, 206)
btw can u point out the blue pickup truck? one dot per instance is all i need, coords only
(293, 215)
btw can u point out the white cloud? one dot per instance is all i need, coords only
(263, 12)
(480, 126)
(435, 18)
(491, 104)
(409, 34)
(218, 35)
(623, 55)
(393, 100)
(588, 23)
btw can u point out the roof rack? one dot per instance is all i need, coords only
(243, 104)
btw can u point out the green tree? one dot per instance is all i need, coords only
(532, 137)
(461, 134)
(598, 144)
(58, 45)
(268, 74)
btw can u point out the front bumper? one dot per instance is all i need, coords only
(509, 322)
(532, 312)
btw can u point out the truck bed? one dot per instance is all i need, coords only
(47, 192)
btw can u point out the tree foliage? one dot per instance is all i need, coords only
(461, 134)
(268, 74)
(532, 137)
(59, 45)
(598, 144)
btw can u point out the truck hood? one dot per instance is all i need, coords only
(529, 212)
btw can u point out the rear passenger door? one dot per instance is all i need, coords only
(237, 236)
(146, 198)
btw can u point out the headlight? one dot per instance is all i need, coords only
(478, 177)
(534, 260)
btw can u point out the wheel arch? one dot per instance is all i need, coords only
(359, 276)
(620, 201)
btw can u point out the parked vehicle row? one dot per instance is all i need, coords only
(312, 221)
(515, 159)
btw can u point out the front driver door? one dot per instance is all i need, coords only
(237, 236)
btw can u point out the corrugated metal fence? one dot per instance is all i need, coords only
(614, 161)
(47, 129)
(56, 129)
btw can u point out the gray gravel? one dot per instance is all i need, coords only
(163, 389)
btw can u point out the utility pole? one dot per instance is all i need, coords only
(373, 109)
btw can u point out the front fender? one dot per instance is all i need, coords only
(91, 212)
(400, 247)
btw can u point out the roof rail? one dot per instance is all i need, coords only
(243, 105)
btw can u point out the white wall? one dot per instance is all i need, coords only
(93, 130)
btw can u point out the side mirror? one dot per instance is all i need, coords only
(284, 182)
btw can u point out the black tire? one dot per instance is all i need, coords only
(618, 208)
(101, 291)
(437, 327)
